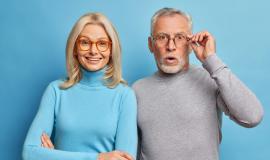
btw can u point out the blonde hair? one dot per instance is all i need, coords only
(169, 12)
(113, 72)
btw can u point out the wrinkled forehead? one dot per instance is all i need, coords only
(171, 24)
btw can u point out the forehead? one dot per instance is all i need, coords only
(94, 31)
(171, 24)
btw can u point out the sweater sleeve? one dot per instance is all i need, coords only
(126, 134)
(233, 97)
(44, 122)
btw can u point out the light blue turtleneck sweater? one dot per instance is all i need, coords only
(87, 119)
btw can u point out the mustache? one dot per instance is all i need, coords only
(178, 58)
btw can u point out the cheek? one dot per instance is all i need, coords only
(183, 51)
(81, 60)
(159, 51)
(106, 57)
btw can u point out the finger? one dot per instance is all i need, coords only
(189, 37)
(197, 37)
(44, 143)
(123, 154)
(206, 33)
(126, 155)
(201, 37)
(205, 39)
(49, 142)
(120, 157)
(194, 46)
(193, 38)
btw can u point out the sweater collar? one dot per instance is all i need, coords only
(92, 78)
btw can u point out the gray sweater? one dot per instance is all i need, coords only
(180, 115)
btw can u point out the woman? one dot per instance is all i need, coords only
(92, 113)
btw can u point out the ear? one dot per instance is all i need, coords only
(189, 46)
(150, 44)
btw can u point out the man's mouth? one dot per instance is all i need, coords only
(170, 60)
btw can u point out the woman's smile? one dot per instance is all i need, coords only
(93, 60)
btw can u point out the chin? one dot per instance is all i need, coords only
(171, 69)
(92, 67)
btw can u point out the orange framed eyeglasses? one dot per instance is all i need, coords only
(84, 44)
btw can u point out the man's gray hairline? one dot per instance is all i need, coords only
(170, 12)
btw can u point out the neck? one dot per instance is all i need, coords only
(92, 78)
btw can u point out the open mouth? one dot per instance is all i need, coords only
(170, 60)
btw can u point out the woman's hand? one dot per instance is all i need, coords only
(46, 141)
(114, 155)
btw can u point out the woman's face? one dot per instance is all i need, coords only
(93, 47)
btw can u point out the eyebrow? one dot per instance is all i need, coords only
(101, 38)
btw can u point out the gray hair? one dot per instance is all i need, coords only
(169, 12)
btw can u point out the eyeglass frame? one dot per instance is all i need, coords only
(154, 38)
(91, 43)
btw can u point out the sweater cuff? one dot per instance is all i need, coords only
(213, 64)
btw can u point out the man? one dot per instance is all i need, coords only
(180, 106)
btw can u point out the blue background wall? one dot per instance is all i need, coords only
(32, 42)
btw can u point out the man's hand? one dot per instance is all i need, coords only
(46, 141)
(114, 155)
(203, 44)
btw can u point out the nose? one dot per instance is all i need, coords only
(171, 45)
(93, 49)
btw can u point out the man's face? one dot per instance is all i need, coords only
(169, 43)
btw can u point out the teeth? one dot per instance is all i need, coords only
(93, 59)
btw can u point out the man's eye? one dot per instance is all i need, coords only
(162, 37)
(179, 37)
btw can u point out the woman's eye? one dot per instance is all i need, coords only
(102, 43)
(84, 42)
